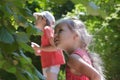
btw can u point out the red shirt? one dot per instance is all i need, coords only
(70, 76)
(50, 58)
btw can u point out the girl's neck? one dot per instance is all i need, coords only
(71, 51)
(41, 28)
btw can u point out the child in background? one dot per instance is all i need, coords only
(72, 36)
(51, 57)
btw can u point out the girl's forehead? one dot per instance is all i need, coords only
(61, 25)
(39, 16)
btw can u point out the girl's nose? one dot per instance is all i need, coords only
(55, 35)
(35, 22)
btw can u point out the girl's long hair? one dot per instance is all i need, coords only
(97, 64)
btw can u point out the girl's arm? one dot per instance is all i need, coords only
(79, 66)
(50, 34)
(51, 47)
(36, 48)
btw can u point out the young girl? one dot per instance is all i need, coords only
(72, 36)
(51, 57)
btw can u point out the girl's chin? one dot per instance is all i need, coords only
(60, 47)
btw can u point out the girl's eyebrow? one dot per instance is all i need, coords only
(60, 28)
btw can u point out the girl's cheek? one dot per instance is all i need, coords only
(36, 23)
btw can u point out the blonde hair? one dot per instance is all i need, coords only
(78, 27)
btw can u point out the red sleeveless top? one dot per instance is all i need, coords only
(84, 55)
(50, 58)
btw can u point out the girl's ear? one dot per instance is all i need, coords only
(44, 21)
(76, 36)
(53, 23)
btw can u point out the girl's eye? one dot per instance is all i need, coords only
(60, 30)
(39, 18)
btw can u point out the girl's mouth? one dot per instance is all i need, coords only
(56, 41)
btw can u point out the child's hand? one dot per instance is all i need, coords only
(36, 48)
(34, 44)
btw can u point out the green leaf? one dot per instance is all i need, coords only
(8, 48)
(91, 7)
(1, 63)
(8, 9)
(11, 69)
(84, 2)
(21, 20)
(25, 57)
(20, 76)
(7, 66)
(28, 75)
(31, 30)
(5, 36)
(22, 37)
(39, 74)
(24, 61)
(26, 13)
(26, 47)
(28, 69)
(4, 75)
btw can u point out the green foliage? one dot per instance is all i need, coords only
(102, 19)
(91, 8)
(3, 34)
(14, 42)
(61, 75)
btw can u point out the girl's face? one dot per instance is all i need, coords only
(64, 37)
(40, 22)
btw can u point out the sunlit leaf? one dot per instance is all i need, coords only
(21, 76)
(21, 20)
(11, 69)
(33, 31)
(24, 59)
(91, 7)
(26, 47)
